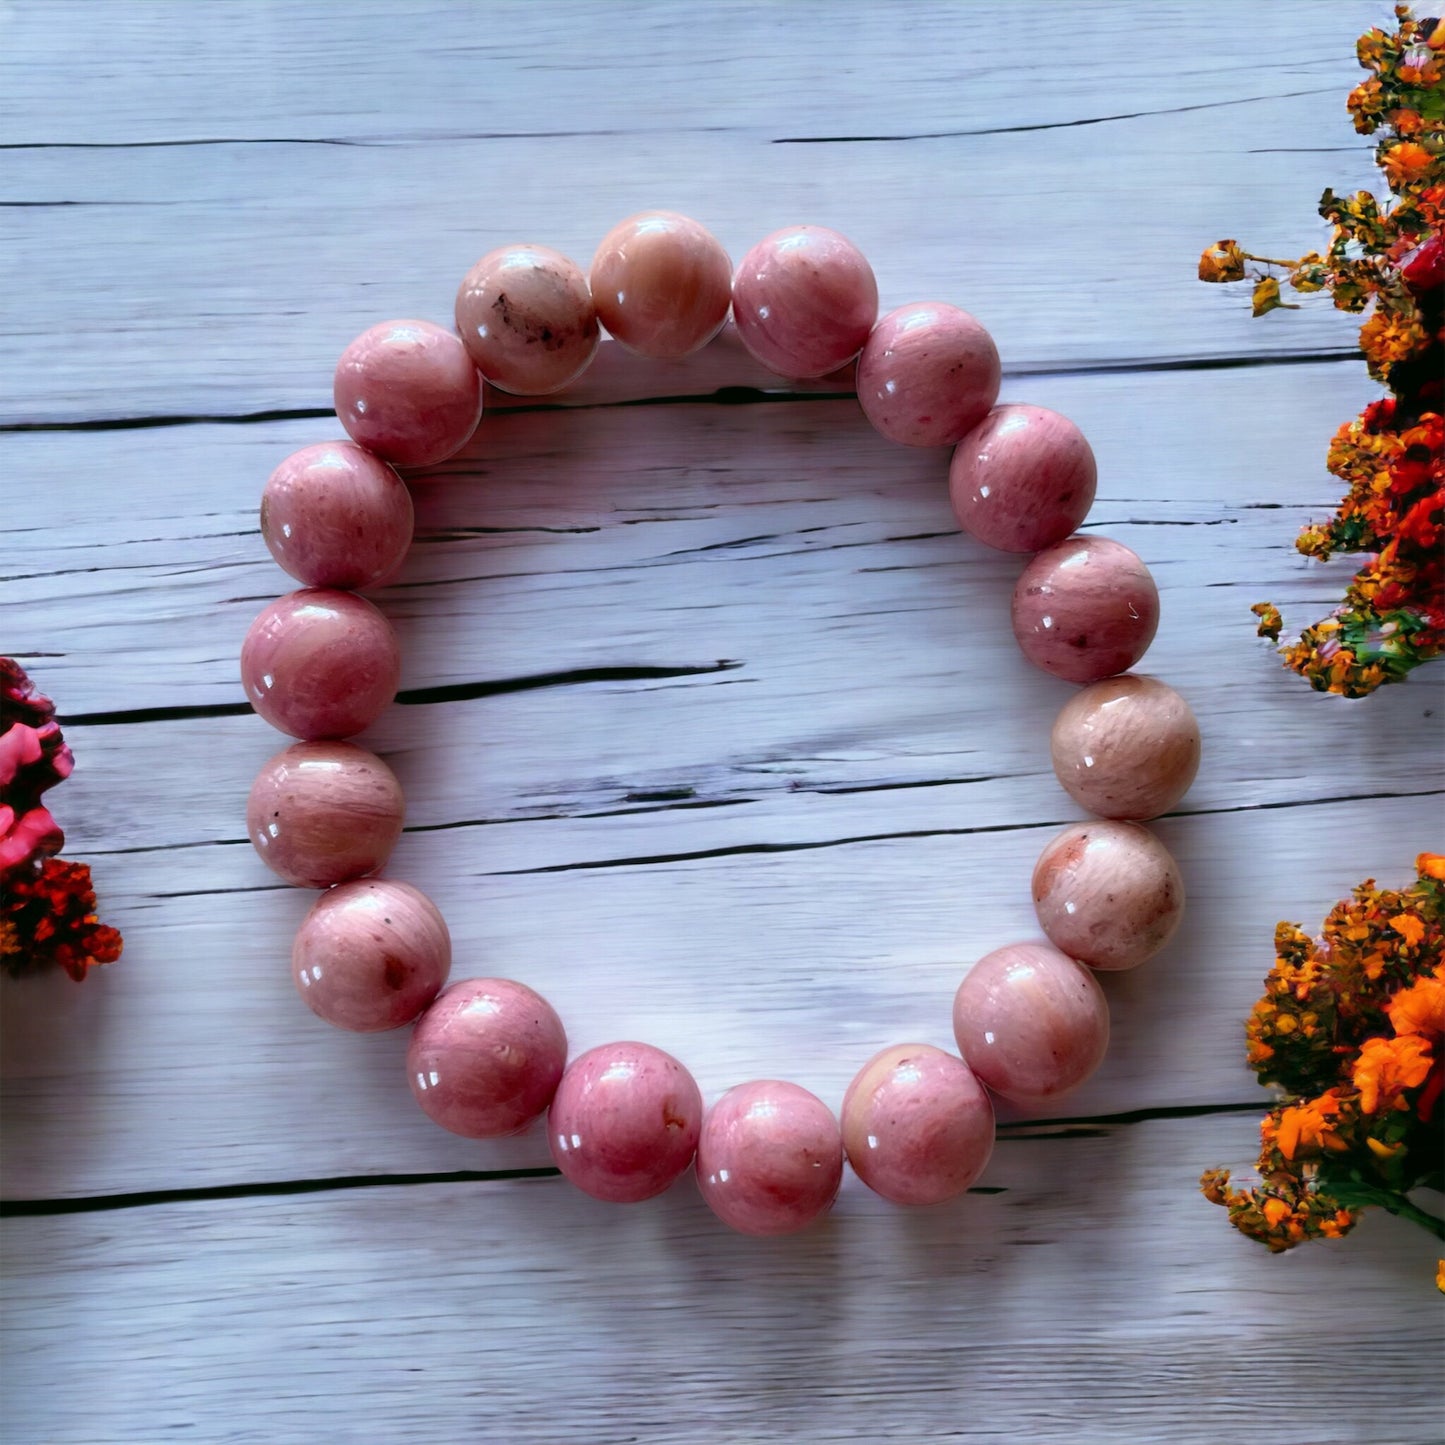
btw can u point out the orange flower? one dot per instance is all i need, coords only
(1432, 865)
(1407, 163)
(1307, 1125)
(1420, 1009)
(1409, 928)
(1386, 1067)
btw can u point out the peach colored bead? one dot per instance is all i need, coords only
(1031, 1022)
(769, 1158)
(527, 319)
(928, 373)
(320, 813)
(662, 284)
(371, 955)
(320, 663)
(1085, 609)
(1022, 479)
(407, 391)
(1127, 747)
(804, 300)
(917, 1125)
(486, 1057)
(1108, 894)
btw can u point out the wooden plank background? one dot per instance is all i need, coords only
(713, 728)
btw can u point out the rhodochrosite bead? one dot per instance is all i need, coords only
(333, 515)
(485, 1058)
(769, 1158)
(1030, 1022)
(928, 373)
(407, 391)
(661, 284)
(917, 1125)
(320, 813)
(371, 955)
(625, 1122)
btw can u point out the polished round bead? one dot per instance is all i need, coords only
(625, 1122)
(804, 300)
(486, 1057)
(1127, 747)
(407, 391)
(769, 1158)
(928, 373)
(371, 955)
(333, 515)
(661, 284)
(1085, 609)
(320, 663)
(917, 1125)
(1031, 1022)
(1108, 894)
(1022, 479)
(527, 318)
(321, 813)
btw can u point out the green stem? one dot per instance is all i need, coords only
(1356, 1196)
(1406, 1210)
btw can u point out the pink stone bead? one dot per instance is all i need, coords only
(917, 1125)
(371, 955)
(1085, 609)
(1022, 479)
(320, 664)
(804, 300)
(1127, 747)
(662, 284)
(1108, 894)
(928, 373)
(769, 1158)
(320, 813)
(1031, 1022)
(486, 1057)
(333, 515)
(527, 318)
(407, 391)
(625, 1122)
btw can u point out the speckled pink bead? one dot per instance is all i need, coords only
(486, 1057)
(1108, 894)
(1022, 479)
(527, 319)
(917, 1125)
(1030, 1022)
(1127, 747)
(804, 300)
(1085, 609)
(928, 373)
(769, 1158)
(662, 284)
(407, 391)
(625, 1122)
(320, 663)
(371, 955)
(333, 515)
(321, 813)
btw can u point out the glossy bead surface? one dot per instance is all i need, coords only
(917, 1125)
(320, 663)
(486, 1057)
(769, 1158)
(804, 301)
(662, 284)
(625, 1122)
(1085, 609)
(1022, 479)
(407, 391)
(928, 373)
(321, 813)
(527, 319)
(1030, 1022)
(1108, 894)
(371, 955)
(1127, 747)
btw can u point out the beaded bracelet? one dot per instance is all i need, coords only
(488, 1056)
